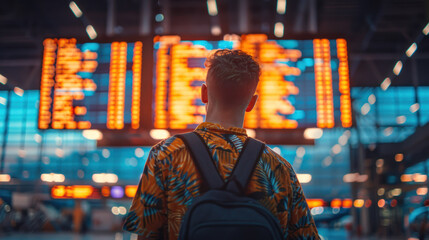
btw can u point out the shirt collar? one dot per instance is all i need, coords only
(218, 128)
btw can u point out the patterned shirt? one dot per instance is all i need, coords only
(170, 182)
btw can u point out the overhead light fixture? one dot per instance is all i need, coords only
(212, 7)
(279, 29)
(425, 30)
(410, 51)
(18, 91)
(91, 32)
(398, 67)
(385, 84)
(75, 9)
(281, 6)
(3, 79)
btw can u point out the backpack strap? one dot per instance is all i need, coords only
(249, 156)
(203, 160)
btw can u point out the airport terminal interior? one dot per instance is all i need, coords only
(88, 87)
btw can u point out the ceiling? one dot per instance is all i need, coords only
(378, 31)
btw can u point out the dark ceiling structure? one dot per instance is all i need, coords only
(378, 32)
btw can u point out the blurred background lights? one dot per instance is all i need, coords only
(105, 178)
(159, 134)
(358, 203)
(336, 149)
(304, 177)
(300, 152)
(75, 9)
(279, 29)
(385, 84)
(159, 17)
(92, 134)
(52, 177)
(399, 157)
(414, 108)
(398, 67)
(281, 6)
(313, 133)
(400, 119)
(105, 152)
(139, 152)
(365, 109)
(117, 192)
(251, 133)
(90, 30)
(3, 79)
(388, 131)
(212, 7)
(422, 191)
(277, 150)
(216, 30)
(4, 177)
(410, 51)
(18, 91)
(425, 30)
(371, 99)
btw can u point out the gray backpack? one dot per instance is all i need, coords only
(223, 211)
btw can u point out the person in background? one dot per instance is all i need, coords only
(170, 180)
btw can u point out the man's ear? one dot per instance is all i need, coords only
(252, 103)
(204, 95)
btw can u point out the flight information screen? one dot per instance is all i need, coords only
(304, 83)
(90, 85)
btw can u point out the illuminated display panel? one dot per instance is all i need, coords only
(304, 83)
(91, 192)
(90, 85)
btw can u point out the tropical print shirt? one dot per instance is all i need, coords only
(170, 182)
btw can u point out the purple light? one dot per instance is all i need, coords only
(117, 192)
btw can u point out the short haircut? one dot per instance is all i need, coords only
(232, 77)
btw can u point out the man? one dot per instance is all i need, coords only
(170, 180)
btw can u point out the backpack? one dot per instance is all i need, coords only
(223, 211)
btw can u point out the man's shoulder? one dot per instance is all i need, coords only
(167, 147)
(270, 155)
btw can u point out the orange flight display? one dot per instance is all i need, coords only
(304, 83)
(90, 85)
(75, 191)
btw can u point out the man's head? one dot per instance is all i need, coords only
(232, 79)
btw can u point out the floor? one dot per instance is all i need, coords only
(327, 234)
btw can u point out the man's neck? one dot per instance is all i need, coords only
(226, 119)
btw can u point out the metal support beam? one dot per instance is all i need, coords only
(145, 17)
(299, 21)
(312, 17)
(166, 9)
(110, 21)
(243, 16)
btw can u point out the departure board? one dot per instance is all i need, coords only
(90, 85)
(304, 83)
